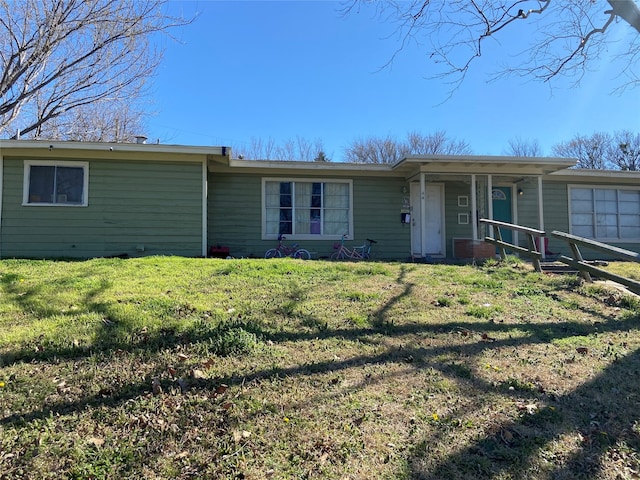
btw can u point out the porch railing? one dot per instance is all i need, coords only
(531, 252)
(586, 269)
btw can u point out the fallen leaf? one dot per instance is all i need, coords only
(582, 350)
(197, 374)
(98, 442)
(172, 371)
(220, 389)
(208, 363)
(182, 357)
(530, 408)
(488, 338)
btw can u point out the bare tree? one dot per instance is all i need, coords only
(519, 147)
(60, 56)
(564, 36)
(299, 148)
(437, 143)
(591, 152)
(375, 150)
(624, 151)
(97, 122)
(389, 150)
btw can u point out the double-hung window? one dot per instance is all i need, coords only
(306, 209)
(50, 183)
(605, 213)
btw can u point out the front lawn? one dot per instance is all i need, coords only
(165, 367)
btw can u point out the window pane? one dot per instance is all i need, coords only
(69, 184)
(629, 232)
(272, 194)
(583, 231)
(285, 194)
(605, 194)
(336, 222)
(606, 231)
(336, 195)
(582, 194)
(582, 206)
(41, 182)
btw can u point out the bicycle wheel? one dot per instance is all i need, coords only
(302, 254)
(273, 253)
(339, 255)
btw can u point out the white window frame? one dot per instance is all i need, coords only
(602, 187)
(266, 236)
(54, 163)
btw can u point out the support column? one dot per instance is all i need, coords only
(490, 197)
(474, 208)
(541, 215)
(423, 212)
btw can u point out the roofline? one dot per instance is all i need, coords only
(114, 146)
(560, 162)
(280, 164)
(591, 173)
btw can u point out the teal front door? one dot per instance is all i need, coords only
(501, 198)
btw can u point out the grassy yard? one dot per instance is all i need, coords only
(180, 368)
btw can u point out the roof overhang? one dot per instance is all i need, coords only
(584, 175)
(483, 165)
(104, 150)
(310, 168)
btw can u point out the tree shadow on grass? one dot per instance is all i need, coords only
(601, 415)
(486, 457)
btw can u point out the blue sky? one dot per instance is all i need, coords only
(285, 69)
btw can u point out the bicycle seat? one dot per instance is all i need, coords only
(371, 241)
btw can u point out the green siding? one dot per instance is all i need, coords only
(235, 216)
(154, 205)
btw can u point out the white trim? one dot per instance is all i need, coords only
(54, 163)
(571, 186)
(54, 145)
(204, 208)
(265, 236)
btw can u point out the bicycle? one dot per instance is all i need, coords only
(283, 250)
(361, 252)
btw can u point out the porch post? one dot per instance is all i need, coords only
(490, 197)
(204, 208)
(541, 215)
(423, 212)
(474, 208)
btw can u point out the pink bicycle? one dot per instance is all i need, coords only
(283, 250)
(362, 252)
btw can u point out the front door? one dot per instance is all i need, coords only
(501, 198)
(430, 237)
